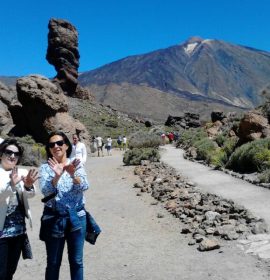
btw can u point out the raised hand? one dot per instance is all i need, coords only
(14, 177)
(30, 178)
(57, 167)
(71, 168)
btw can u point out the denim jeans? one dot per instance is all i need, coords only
(10, 252)
(55, 247)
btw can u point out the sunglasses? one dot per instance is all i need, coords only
(9, 153)
(59, 143)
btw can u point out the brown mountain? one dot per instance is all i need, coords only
(198, 75)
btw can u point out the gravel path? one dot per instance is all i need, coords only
(135, 243)
(252, 197)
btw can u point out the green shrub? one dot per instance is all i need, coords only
(264, 177)
(189, 137)
(143, 139)
(251, 157)
(217, 157)
(220, 139)
(229, 145)
(204, 148)
(111, 123)
(135, 156)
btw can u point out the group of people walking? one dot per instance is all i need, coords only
(62, 181)
(98, 143)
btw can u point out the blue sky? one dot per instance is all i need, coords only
(113, 29)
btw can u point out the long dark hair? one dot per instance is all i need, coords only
(65, 139)
(11, 141)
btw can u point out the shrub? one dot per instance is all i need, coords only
(189, 137)
(111, 123)
(264, 177)
(143, 139)
(135, 156)
(220, 139)
(204, 148)
(251, 157)
(229, 145)
(217, 157)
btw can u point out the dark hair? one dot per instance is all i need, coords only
(11, 141)
(66, 141)
(78, 135)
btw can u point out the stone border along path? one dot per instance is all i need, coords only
(252, 197)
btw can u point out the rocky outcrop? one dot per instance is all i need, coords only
(64, 55)
(6, 99)
(217, 116)
(44, 108)
(187, 121)
(253, 126)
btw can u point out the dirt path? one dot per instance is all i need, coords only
(135, 244)
(252, 197)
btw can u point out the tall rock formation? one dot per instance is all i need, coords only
(64, 55)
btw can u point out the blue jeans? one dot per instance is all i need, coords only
(55, 247)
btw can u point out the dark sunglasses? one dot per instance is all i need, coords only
(59, 143)
(9, 153)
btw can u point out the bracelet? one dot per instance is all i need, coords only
(29, 188)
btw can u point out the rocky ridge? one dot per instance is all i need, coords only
(205, 217)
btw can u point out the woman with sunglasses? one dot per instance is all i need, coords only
(15, 188)
(63, 183)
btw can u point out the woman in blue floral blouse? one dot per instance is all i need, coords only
(64, 218)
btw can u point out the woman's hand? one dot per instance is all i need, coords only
(30, 178)
(57, 167)
(14, 177)
(71, 168)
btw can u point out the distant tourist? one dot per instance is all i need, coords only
(176, 136)
(78, 149)
(163, 138)
(171, 137)
(100, 144)
(17, 185)
(119, 142)
(109, 146)
(93, 144)
(124, 143)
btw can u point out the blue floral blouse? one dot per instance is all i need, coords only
(69, 195)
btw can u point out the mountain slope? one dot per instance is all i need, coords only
(201, 71)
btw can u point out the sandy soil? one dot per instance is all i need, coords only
(135, 243)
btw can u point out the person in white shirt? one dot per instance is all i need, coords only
(124, 143)
(100, 144)
(17, 185)
(78, 149)
(109, 146)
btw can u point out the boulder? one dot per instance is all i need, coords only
(252, 126)
(44, 108)
(217, 116)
